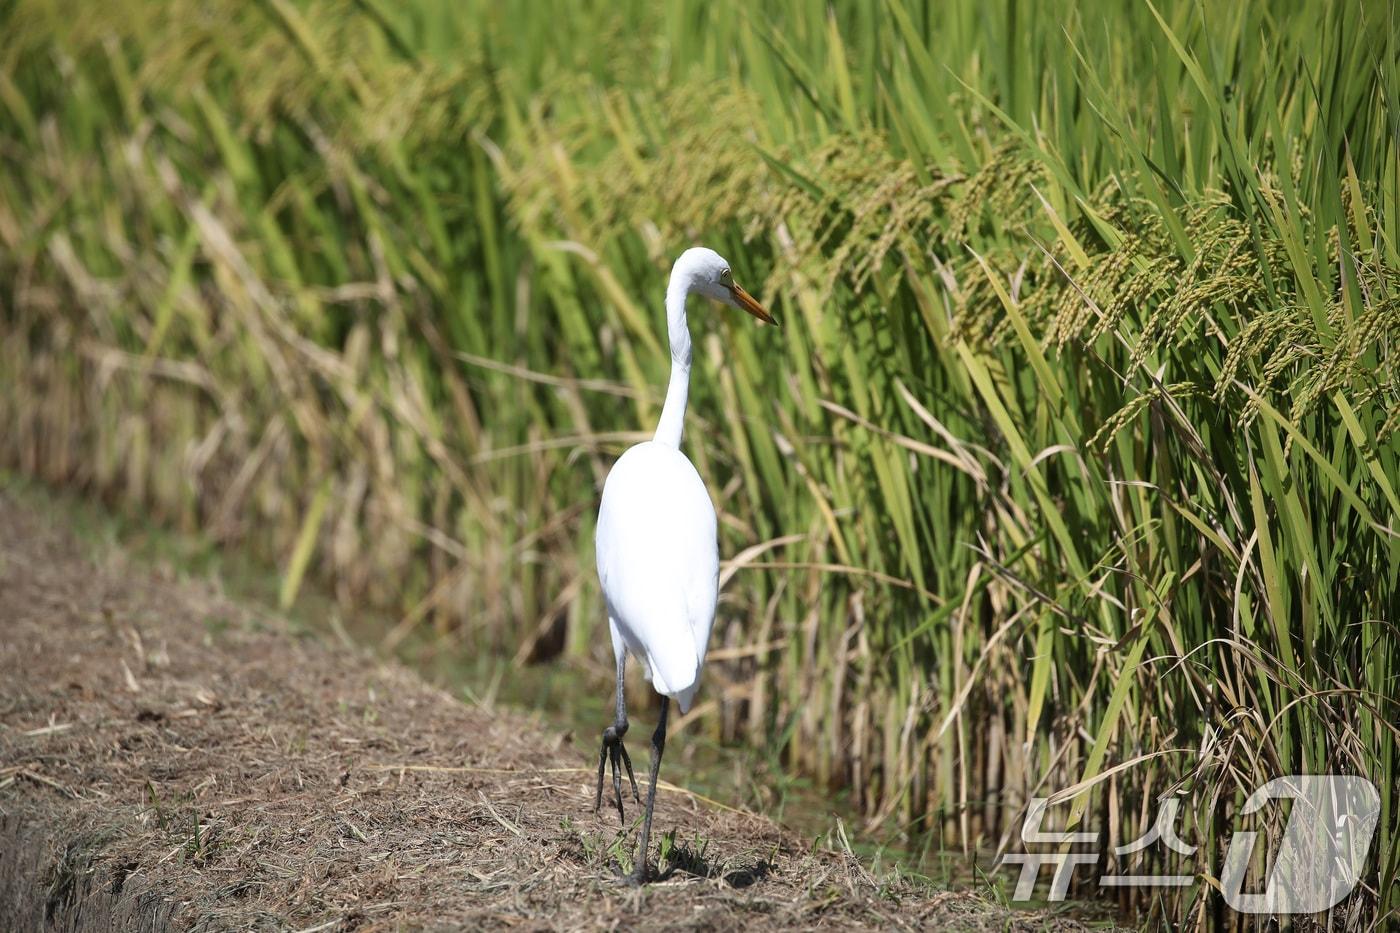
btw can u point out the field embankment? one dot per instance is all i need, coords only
(169, 757)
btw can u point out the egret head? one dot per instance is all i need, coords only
(707, 273)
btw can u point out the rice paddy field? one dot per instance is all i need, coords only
(1073, 468)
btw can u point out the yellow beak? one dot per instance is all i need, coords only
(746, 301)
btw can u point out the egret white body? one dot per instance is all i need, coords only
(658, 560)
(658, 556)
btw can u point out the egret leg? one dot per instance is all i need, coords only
(641, 873)
(614, 752)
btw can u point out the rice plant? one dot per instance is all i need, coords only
(1075, 469)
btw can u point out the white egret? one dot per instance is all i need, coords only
(658, 559)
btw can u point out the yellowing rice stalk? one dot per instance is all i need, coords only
(1075, 466)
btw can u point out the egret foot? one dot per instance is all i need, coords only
(613, 750)
(642, 874)
(615, 753)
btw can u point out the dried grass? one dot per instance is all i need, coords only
(153, 732)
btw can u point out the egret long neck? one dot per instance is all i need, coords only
(672, 423)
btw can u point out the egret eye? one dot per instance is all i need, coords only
(724, 275)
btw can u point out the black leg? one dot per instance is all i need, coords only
(614, 752)
(641, 873)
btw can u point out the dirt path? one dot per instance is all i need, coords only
(168, 757)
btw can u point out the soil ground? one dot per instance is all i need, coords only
(172, 758)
